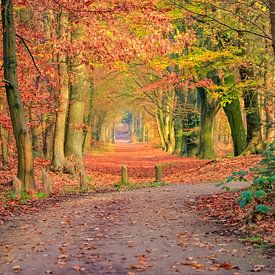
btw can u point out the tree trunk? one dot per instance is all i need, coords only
(88, 119)
(17, 113)
(178, 137)
(254, 136)
(160, 130)
(254, 141)
(78, 85)
(234, 116)
(209, 109)
(4, 137)
(63, 100)
(272, 22)
(269, 103)
(4, 146)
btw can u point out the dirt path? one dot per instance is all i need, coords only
(150, 231)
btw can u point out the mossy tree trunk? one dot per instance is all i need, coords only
(87, 134)
(209, 108)
(254, 140)
(77, 90)
(16, 108)
(178, 136)
(234, 116)
(63, 100)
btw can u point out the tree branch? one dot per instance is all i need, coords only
(228, 26)
(28, 49)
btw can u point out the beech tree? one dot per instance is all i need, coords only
(17, 113)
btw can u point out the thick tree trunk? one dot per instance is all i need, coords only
(254, 135)
(209, 109)
(78, 87)
(234, 116)
(17, 113)
(254, 141)
(74, 133)
(63, 100)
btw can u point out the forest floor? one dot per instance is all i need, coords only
(185, 228)
(152, 231)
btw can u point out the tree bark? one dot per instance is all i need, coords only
(78, 86)
(63, 100)
(254, 139)
(272, 22)
(160, 130)
(88, 119)
(209, 108)
(178, 137)
(234, 116)
(16, 108)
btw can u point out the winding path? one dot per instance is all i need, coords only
(148, 231)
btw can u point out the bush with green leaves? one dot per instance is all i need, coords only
(260, 193)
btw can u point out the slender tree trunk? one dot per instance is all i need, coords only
(4, 138)
(17, 113)
(209, 109)
(234, 116)
(268, 104)
(63, 100)
(178, 137)
(88, 118)
(272, 21)
(4, 146)
(48, 138)
(160, 131)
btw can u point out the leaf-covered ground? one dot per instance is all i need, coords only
(103, 170)
(141, 159)
(147, 231)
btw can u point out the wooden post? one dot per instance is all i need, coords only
(124, 174)
(47, 182)
(17, 187)
(158, 173)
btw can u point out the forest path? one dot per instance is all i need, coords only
(141, 158)
(147, 231)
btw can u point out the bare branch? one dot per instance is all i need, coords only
(29, 51)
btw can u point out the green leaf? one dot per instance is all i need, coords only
(229, 80)
(247, 195)
(271, 179)
(243, 203)
(227, 189)
(260, 194)
(261, 208)
(259, 181)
